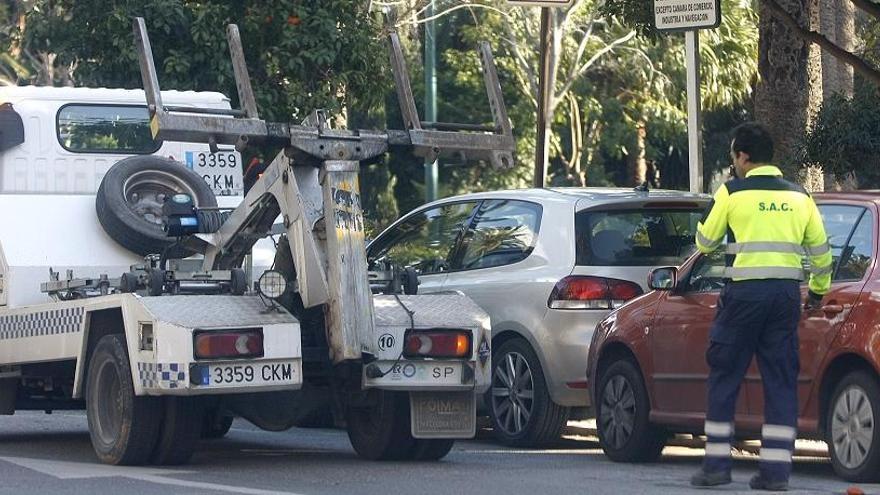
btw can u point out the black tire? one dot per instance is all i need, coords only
(132, 230)
(545, 419)
(128, 282)
(432, 449)
(382, 432)
(626, 403)
(857, 392)
(179, 431)
(123, 427)
(215, 424)
(156, 281)
(238, 282)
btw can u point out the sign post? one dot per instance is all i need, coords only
(690, 16)
(545, 91)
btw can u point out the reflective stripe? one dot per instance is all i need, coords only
(785, 272)
(706, 242)
(778, 432)
(717, 429)
(817, 250)
(825, 270)
(775, 455)
(715, 449)
(765, 247)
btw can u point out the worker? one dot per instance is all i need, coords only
(770, 224)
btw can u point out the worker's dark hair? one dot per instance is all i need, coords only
(753, 139)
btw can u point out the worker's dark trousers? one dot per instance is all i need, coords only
(755, 317)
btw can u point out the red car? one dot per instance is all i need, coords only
(648, 369)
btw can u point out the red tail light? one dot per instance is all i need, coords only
(437, 344)
(226, 345)
(583, 292)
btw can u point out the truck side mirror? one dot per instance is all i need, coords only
(663, 278)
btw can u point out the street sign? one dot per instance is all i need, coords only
(686, 15)
(540, 3)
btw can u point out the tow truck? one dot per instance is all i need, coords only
(170, 349)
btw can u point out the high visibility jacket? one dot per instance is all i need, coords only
(770, 224)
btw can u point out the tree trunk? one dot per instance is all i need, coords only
(637, 163)
(789, 92)
(837, 22)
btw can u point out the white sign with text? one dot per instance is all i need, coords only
(684, 15)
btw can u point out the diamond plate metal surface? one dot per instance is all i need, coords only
(451, 310)
(214, 311)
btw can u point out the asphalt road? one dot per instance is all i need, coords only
(52, 454)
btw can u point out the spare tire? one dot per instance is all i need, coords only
(129, 201)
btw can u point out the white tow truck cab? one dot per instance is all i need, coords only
(124, 289)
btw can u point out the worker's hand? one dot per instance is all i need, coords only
(814, 301)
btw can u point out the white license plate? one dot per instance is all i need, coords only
(424, 372)
(443, 414)
(222, 171)
(245, 374)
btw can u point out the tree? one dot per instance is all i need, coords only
(301, 55)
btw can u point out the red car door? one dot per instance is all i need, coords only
(679, 338)
(851, 234)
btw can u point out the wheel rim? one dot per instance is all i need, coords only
(145, 193)
(109, 407)
(852, 427)
(513, 393)
(617, 415)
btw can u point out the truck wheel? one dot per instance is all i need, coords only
(216, 424)
(853, 428)
(622, 408)
(520, 407)
(382, 432)
(129, 201)
(122, 426)
(179, 431)
(432, 449)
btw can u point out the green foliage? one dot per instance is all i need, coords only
(845, 137)
(301, 54)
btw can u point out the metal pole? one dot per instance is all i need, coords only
(542, 144)
(695, 120)
(431, 167)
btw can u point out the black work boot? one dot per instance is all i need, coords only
(705, 478)
(758, 482)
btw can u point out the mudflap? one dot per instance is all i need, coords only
(443, 414)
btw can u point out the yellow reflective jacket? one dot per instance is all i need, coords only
(771, 224)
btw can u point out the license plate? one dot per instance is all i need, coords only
(222, 171)
(421, 372)
(443, 414)
(237, 375)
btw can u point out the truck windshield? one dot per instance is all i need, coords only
(645, 237)
(93, 128)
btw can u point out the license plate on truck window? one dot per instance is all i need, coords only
(222, 171)
(443, 414)
(220, 375)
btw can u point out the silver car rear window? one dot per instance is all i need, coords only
(643, 237)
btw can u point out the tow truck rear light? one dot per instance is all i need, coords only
(437, 344)
(585, 292)
(228, 344)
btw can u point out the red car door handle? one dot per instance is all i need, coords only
(832, 309)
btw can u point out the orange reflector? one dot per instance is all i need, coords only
(437, 343)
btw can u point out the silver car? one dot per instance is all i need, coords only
(547, 265)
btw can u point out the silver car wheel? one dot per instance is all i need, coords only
(618, 413)
(513, 393)
(852, 427)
